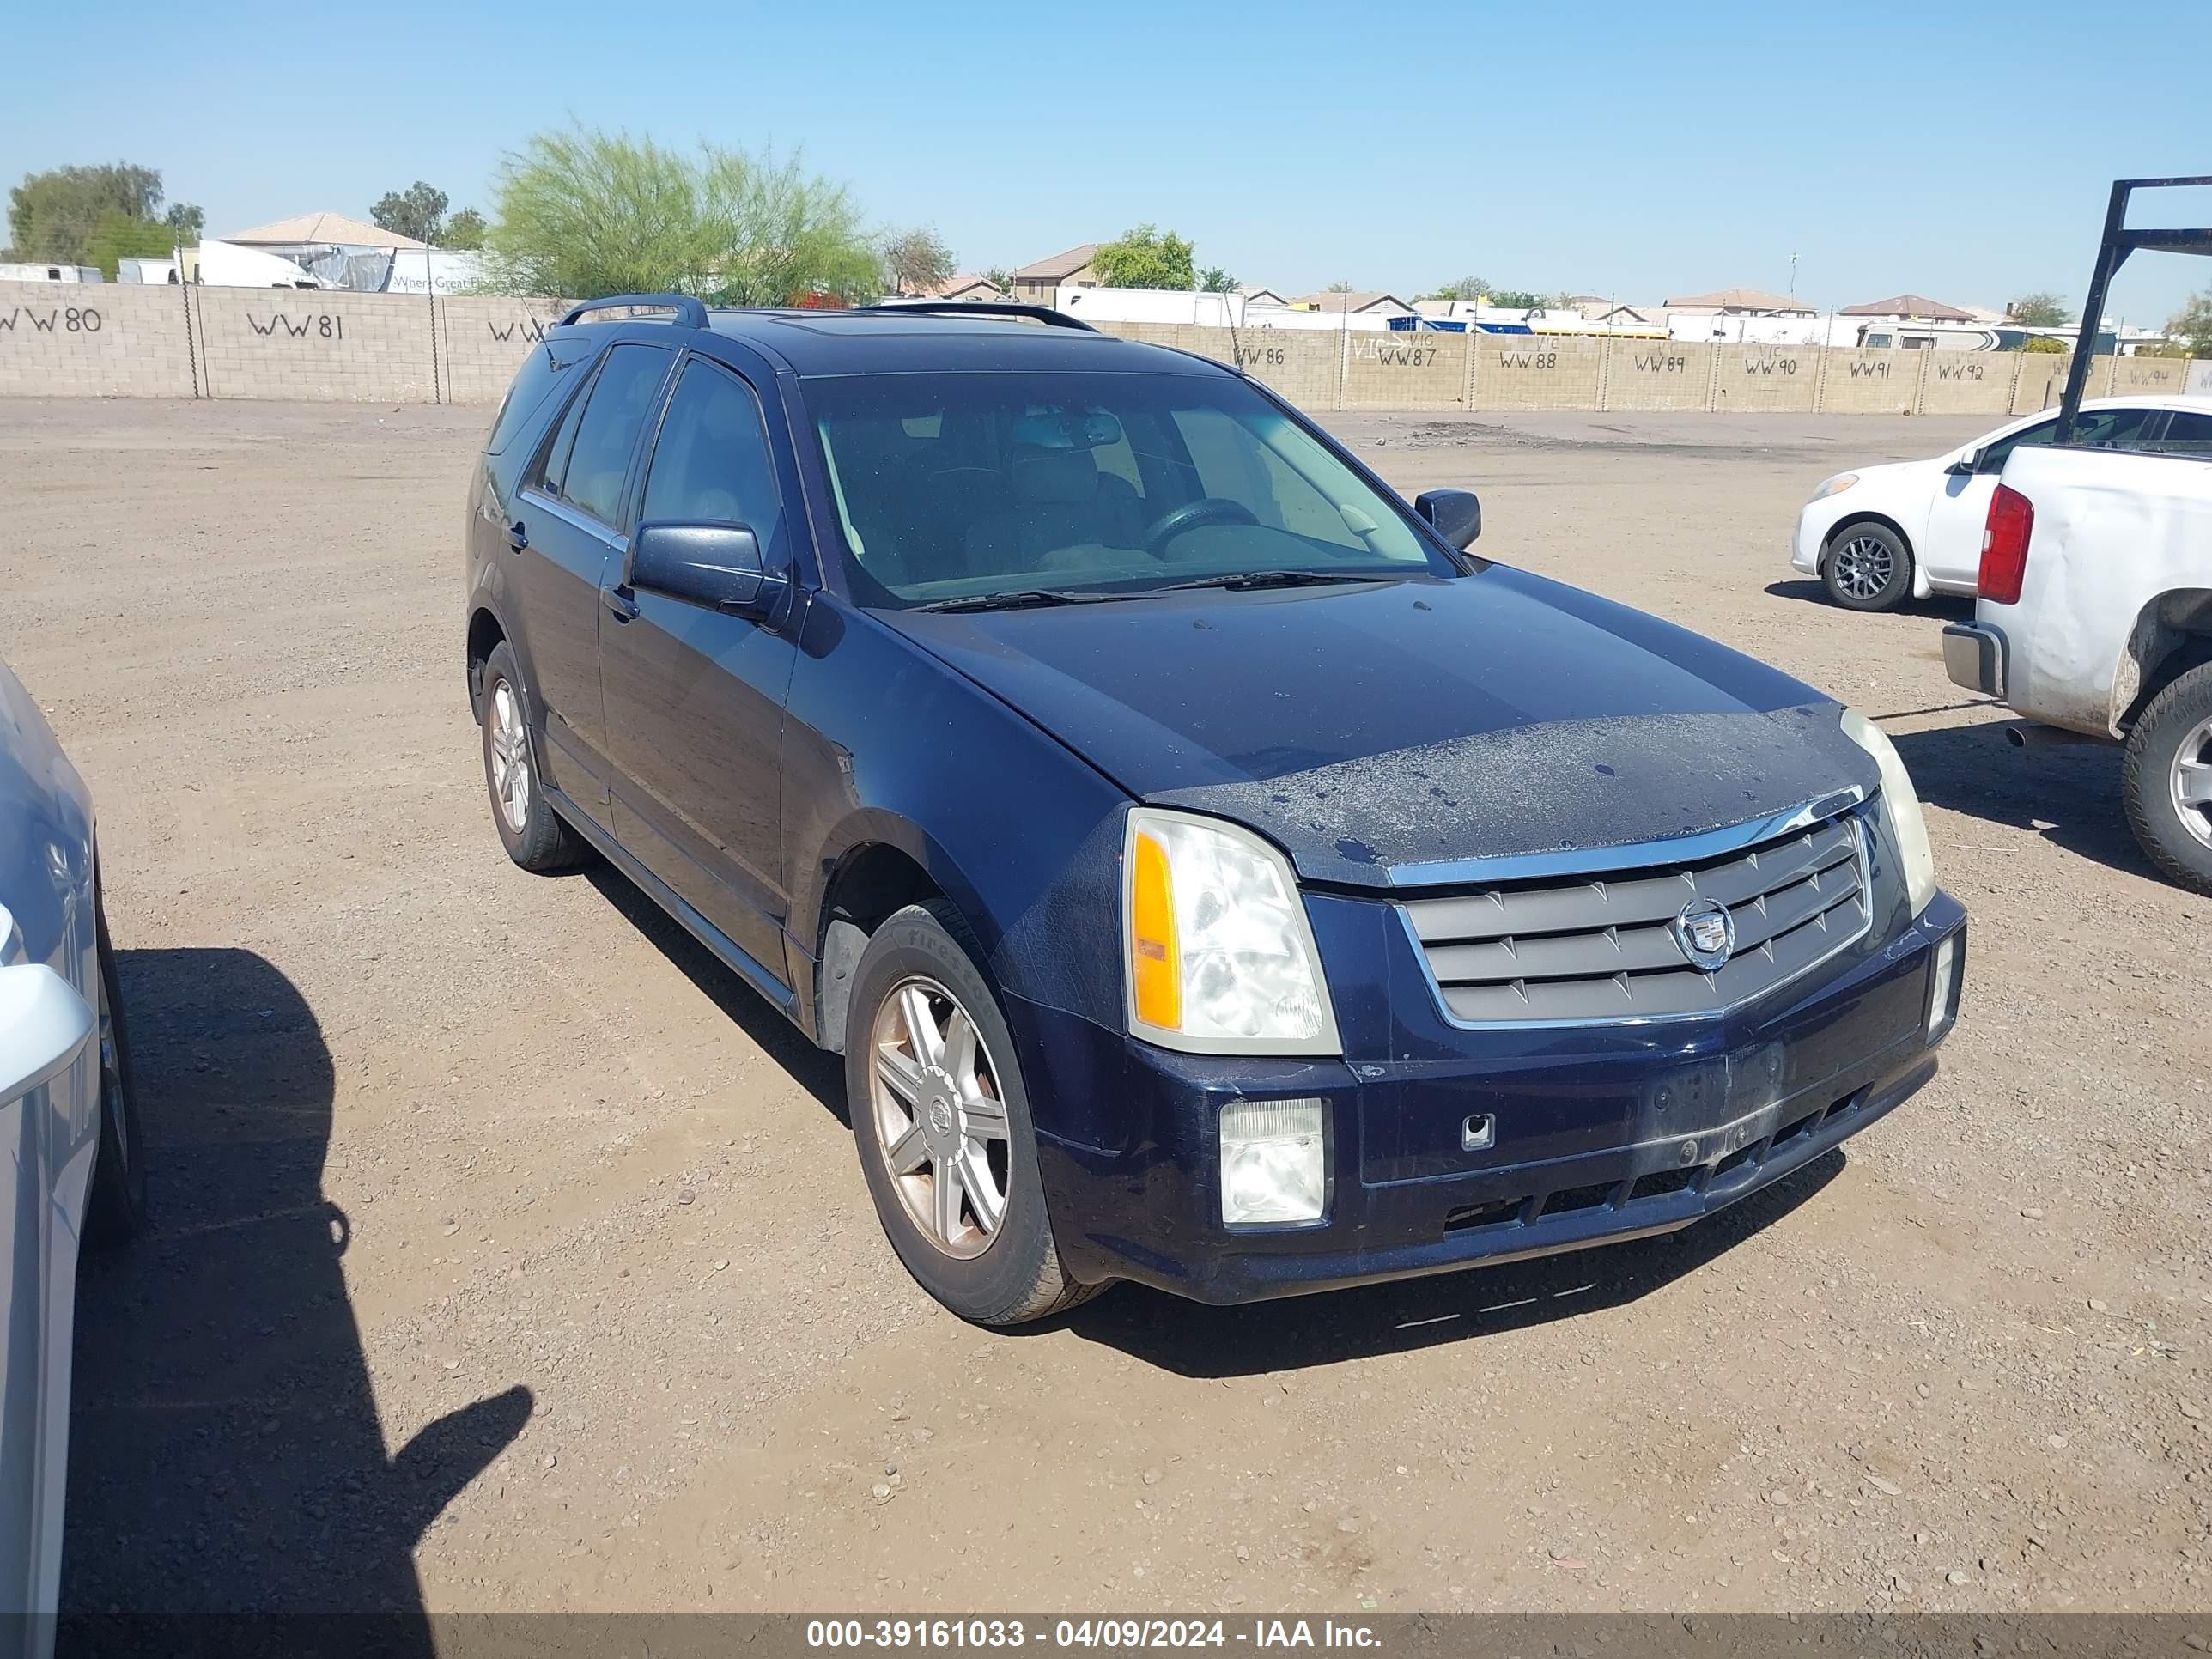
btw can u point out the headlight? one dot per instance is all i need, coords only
(1273, 1162)
(1219, 957)
(1836, 486)
(1900, 809)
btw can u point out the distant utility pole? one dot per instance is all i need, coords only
(1793, 275)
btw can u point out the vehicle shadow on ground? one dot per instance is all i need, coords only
(1293, 1334)
(226, 1455)
(2067, 792)
(1938, 607)
(820, 1073)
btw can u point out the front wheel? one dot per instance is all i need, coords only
(2165, 781)
(1868, 568)
(942, 1121)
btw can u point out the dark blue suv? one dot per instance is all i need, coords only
(1212, 873)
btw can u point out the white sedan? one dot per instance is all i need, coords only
(1878, 533)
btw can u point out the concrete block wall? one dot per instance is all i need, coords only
(320, 346)
(482, 339)
(1414, 371)
(1770, 380)
(1967, 382)
(1657, 374)
(103, 340)
(121, 340)
(1536, 371)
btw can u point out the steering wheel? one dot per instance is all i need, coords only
(1206, 509)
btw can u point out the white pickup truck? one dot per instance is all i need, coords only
(2095, 616)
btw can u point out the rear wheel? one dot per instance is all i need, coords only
(532, 831)
(942, 1121)
(2165, 781)
(1868, 568)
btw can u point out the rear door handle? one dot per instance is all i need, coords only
(624, 607)
(517, 537)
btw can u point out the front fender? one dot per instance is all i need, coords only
(1023, 837)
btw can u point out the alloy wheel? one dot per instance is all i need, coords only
(510, 757)
(1864, 567)
(939, 1117)
(2191, 782)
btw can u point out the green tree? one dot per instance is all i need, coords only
(581, 214)
(185, 221)
(2044, 343)
(418, 211)
(2190, 327)
(1339, 288)
(1520, 298)
(917, 260)
(466, 230)
(1000, 278)
(1145, 257)
(1466, 287)
(1215, 280)
(51, 216)
(2039, 309)
(118, 236)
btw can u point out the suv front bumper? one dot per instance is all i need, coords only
(1603, 1134)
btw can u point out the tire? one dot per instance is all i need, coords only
(2165, 781)
(532, 831)
(945, 1114)
(1867, 567)
(115, 1213)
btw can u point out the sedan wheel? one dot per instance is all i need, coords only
(1866, 567)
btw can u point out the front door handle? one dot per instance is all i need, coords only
(624, 607)
(517, 537)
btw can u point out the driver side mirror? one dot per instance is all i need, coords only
(1455, 515)
(1966, 466)
(714, 565)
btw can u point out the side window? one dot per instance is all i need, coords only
(533, 383)
(554, 463)
(711, 461)
(1993, 458)
(598, 456)
(2189, 432)
(2115, 428)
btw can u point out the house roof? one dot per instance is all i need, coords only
(1357, 300)
(1741, 299)
(322, 227)
(960, 288)
(1909, 304)
(1263, 296)
(1060, 264)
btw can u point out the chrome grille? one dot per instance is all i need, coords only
(1604, 948)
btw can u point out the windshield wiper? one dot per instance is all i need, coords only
(1022, 599)
(1241, 580)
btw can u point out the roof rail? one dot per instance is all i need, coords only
(1045, 314)
(689, 312)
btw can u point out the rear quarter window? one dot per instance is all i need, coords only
(548, 365)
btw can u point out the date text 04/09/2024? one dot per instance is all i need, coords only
(1086, 1634)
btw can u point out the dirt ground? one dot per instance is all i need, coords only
(511, 1255)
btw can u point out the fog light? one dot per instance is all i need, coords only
(1943, 994)
(1272, 1162)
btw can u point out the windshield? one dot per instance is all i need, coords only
(959, 486)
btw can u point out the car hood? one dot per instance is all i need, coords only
(1370, 731)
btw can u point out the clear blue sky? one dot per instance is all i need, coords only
(1961, 151)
